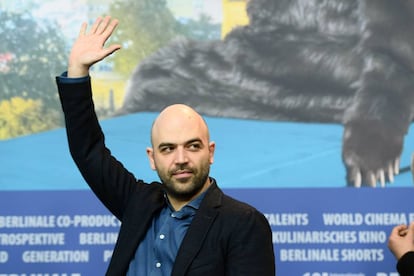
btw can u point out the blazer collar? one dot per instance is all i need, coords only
(198, 229)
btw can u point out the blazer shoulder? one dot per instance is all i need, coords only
(227, 204)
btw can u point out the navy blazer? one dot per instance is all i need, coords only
(405, 265)
(226, 236)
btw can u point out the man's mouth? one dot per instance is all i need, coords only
(182, 174)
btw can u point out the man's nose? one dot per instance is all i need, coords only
(181, 156)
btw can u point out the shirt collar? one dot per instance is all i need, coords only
(196, 202)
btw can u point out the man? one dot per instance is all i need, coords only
(401, 244)
(184, 226)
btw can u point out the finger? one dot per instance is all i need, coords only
(109, 30)
(111, 49)
(411, 226)
(399, 229)
(103, 25)
(402, 232)
(410, 230)
(82, 31)
(95, 25)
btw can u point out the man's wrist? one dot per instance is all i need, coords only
(77, 71)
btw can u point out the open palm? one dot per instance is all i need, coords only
(89, 46)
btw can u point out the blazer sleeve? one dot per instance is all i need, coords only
(405, 265)
(251, 248)
(106, 176)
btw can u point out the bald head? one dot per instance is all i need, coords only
(176, 120)
(181, 153)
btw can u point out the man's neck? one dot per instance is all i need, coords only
(178, 203)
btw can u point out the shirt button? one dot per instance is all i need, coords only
(173, 215)
(158, 265)
(162, 236)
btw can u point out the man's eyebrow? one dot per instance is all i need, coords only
(166, 144)
(162, 145)
(193, 140)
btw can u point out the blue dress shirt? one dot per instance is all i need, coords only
(157, 251)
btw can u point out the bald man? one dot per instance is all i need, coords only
(184, 225)
(181, 153)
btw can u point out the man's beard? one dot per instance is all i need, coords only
(193, 185)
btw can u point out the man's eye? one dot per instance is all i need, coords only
(194, 146)
(166, 149)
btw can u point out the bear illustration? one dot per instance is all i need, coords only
(328, 61)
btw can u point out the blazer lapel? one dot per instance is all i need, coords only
(133, 229)
(197, 231)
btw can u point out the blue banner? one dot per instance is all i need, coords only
(316, 232)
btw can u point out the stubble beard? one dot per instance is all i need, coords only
(185, 189)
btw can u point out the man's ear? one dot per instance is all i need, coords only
(150, 154)
(211, 148)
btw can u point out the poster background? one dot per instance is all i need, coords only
(281, 168)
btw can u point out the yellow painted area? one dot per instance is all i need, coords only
(234, 14)
(102, 85)
(20, 117)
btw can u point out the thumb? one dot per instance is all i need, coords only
(111, 49)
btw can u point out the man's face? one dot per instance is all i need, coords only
(182, 155)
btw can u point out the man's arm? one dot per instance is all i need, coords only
(405, 265)
(251, 247)
(110, 181)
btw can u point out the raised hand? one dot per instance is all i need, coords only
(89, 46)
(401, 240)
